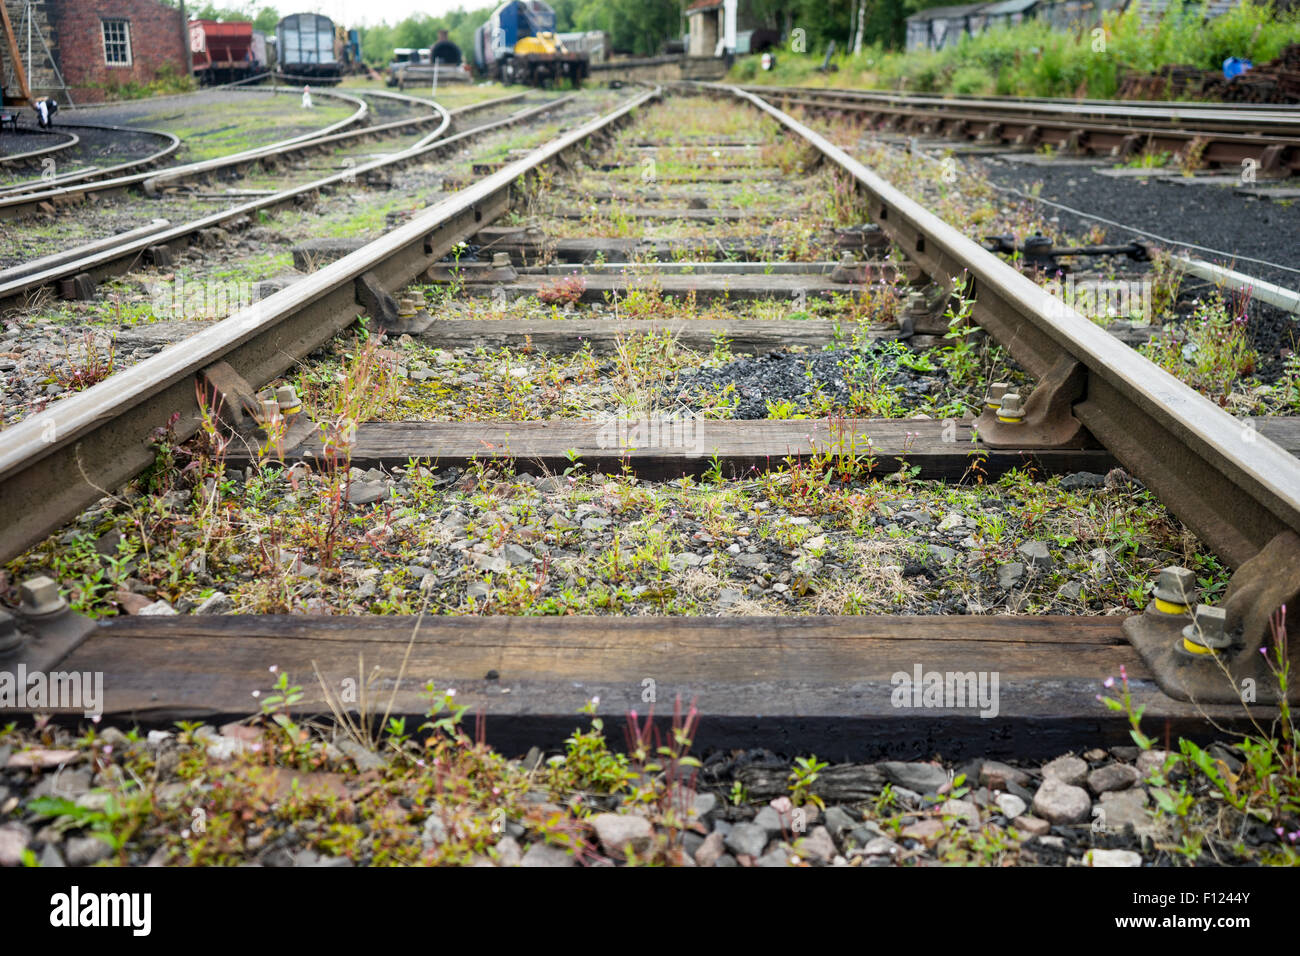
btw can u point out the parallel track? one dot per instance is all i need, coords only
(786, 682)
(1220, 135)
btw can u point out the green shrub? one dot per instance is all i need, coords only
(1032, 59)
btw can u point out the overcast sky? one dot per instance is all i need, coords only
(361, 12)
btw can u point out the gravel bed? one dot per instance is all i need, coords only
(1206, 215)
(227, 796)
(835, 374)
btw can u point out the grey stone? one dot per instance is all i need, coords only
(1151, 762)
(1070, 590)
(1036, 554)
(1011, 805)
(1009, 574)
(920, 777)
(839, 820)
(881, 846)
(996, 775)
(778, 857)
(594, 524)
(66, 783)
(218, 603)
(704, 805)
(961, 809)
(478, 589)
(1032, 826)
(1066, 769)
(1115, 776)
(1120, 808)
(619, 831)
(711, 850)
(509, 852)
(729, 596)
(1060, 802)
(542, 854)
(367, 492)
(747, 839)
(364, 759)
(158, 608)
(50, 857)
(942, 555)
(817, 845)
(771, 821)
(14, 838)
(1083, 479)
(491, 563)
(516, 554)
(434, 833)
(85, 851)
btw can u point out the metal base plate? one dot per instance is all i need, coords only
(1243, 678)
(49, 640)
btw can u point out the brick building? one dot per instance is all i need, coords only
(102, 44)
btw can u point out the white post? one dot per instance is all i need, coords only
(729, 26)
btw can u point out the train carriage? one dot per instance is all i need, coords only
(306, 49)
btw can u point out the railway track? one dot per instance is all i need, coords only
(25, 198)
(1217, 136)
(76, 271)
(790, 682)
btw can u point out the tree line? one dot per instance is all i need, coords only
(638, 27)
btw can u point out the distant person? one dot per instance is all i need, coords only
(45, 108)
(306, 98)
(446, 52)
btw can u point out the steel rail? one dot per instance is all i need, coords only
(105, 261)
(20, 159)
(24, 202)
(1276, 152)
(1233, 488)
(38, 192)
(172, 141)
(1148, 112)
(61, 460)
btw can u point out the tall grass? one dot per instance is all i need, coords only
(1032, 59)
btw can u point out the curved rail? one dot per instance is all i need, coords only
(57, 462)
(19, 159)
(40, 192)
(103, 261)
(172, 141)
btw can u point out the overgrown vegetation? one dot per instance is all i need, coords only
(1033, 59)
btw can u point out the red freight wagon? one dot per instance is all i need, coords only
(223, 52)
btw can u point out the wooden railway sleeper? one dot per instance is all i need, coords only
(1229, 653)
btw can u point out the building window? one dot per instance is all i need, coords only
(117, 42)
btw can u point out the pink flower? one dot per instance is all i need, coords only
(1108, 682)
